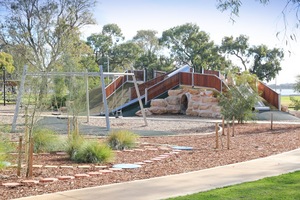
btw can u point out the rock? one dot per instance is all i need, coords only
(175, 92)
(158, 103)
(173, 100)
(158, 110)
(147, 112)
(174, 109)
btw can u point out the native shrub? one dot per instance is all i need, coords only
(121, 139)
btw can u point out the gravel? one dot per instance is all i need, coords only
(250, 141)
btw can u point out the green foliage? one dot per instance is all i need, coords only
(259, 60)
(121, 139)
(297, 84)
(45, 140)
(93, 152)
(285, 186)
(6, 62)
(240, 100)
(5, 147)
(295, 103)
(73, 144)
(58, 101)
(191, 46)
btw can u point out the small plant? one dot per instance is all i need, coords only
(93, 152)
(73, 144)
(45, 140)
(121, 139)
(295, 103)
(5, 148)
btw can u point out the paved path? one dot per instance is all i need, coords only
(187, 183)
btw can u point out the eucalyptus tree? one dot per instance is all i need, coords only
(193, 47)
(41, 32)
(259, 60)
(103, 44)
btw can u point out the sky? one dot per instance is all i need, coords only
(260, 23)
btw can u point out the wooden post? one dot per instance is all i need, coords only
(223, 126)
(26, 140)
(228, 136)
(19, 156)
(217, 136)
(233, 119)
(271, 121)
(30, 159)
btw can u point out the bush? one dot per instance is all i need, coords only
(73, 144)
(121, 139)
(93, 152)
(5, 148)
(296, 103)
(45, 140)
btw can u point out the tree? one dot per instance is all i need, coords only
(193, 47)
(259, 60)
(238, 102)
(297, 84)
(43, 28)
(266, 62)
(6, 62)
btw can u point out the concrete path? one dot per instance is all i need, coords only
(187, 183)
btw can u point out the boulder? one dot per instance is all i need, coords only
(158, 103)
(158, 110)
(173, 100)
(174, 109)
(147, 112)
(175, 92)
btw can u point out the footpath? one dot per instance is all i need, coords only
(187, 183)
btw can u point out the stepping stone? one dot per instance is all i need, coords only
(141, 150)
(163, 156)
(156, 159)
(139, 163)
(164, 148)
(115, 169)
(64, 178)
(126, 166)
(30, 182)
(81, 175)
(61, 153)
(152, 149)
(51, 166)
(105, 171)
(182, 148)
(37, 166)
(44, 154)
(12, 185)
(148, 161)
(84, 166)
(94, 173)
(48, 180)
(128, 150)
(66, 166)
(101, 167)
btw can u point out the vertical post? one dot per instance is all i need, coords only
(87, 96)
(217, 136)
(13, 125)
(19, 156)
(228, 135)
(4, 87)
(26, 132)
(271, 121)
(223, 126)
(104, 98)
(233, 119)
(30, 158)
(140, 100)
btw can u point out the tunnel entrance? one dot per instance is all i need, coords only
(183, 104)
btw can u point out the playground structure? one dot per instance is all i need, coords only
(86, 74)
(141, 94)
(184, 76)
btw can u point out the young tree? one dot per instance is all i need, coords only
(6, 62)
(238, 101)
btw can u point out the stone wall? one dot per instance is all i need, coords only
(194, 102)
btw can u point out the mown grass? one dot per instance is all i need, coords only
(283, 187)
(286, 101)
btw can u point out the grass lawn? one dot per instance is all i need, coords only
(285, 100)
(283, 187)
